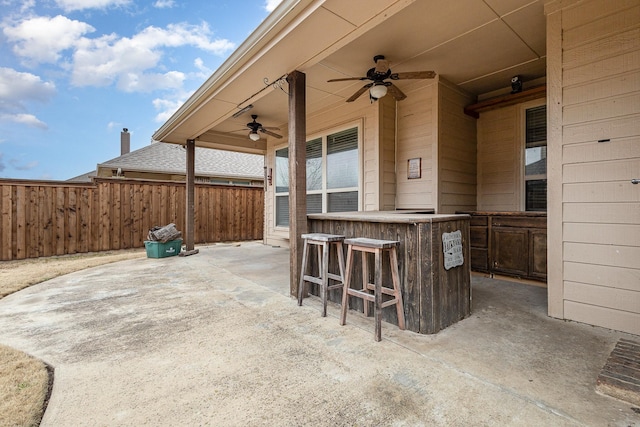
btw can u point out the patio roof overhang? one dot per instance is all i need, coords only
(476, 44)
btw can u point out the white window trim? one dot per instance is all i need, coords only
(324, 191)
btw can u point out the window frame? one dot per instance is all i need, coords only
(324, 191)
(523, 175)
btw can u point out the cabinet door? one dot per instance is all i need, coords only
(510, 251)
(538, 252)
(479, 252)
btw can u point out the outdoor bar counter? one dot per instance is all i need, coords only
(433, 258)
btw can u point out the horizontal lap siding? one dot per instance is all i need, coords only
(498, 160)
(601, 154)
(46, 219)
(418, 138)
(457, 153)
(387, 131)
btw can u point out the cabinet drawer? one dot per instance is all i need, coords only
(520, 222)
(479, 220)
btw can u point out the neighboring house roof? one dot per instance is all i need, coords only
(85, 177)
(170, 158)
(537, 168)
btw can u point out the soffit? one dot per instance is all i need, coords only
(476, 44)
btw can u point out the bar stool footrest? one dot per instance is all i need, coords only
(360, 294)
(384, 289)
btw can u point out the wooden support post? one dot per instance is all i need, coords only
(297, 175)
(190, 202)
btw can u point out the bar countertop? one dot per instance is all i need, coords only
(399, 216)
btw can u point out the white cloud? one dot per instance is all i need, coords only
(108, 59)
(16, 88)
(23, 6)
(24, 119)
(16, 85)
(71, 5)
(42, 39)
(132, 64)
(270, 5)
(204, 71)
(164, 4)
(183, 34)
(166, 108)
(145, 82)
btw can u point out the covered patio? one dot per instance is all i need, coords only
(215, 339)
(481, 94)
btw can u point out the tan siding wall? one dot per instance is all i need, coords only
(600, 98)
(418, 138)
(456, 151)
(499, 159)
(387, 121)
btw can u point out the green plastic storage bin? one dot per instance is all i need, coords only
(162, 250)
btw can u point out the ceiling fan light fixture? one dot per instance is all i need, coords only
(377, 91)
(254, 136)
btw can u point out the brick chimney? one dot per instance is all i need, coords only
(125, 141)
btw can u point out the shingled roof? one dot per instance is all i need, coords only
(171, 158)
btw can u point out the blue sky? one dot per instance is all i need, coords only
(73, 73)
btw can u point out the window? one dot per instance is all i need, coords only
(332, 175)
(282, 187)
(535, 174)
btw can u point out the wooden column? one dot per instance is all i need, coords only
(297, 174)
(190, 200)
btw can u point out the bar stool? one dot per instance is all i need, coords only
(325, 241)
(378, 248)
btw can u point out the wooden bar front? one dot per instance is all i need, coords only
(434, 297)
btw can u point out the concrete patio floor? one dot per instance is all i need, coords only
(214, 339)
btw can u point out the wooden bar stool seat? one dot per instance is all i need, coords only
(322, 241)
(378, 248)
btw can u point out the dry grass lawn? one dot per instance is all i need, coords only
(24, 381)
(24, 385)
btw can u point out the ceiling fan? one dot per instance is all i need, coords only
(255, 127)
(378, 86)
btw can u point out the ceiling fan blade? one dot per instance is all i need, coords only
(270, 128)
(413, 75)
(360, 91)
(382, 66)
(396, 92)
(347, 79)
(275, 135)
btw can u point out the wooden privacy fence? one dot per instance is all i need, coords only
(45, 218)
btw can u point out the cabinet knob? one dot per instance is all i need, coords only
(635, 181)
